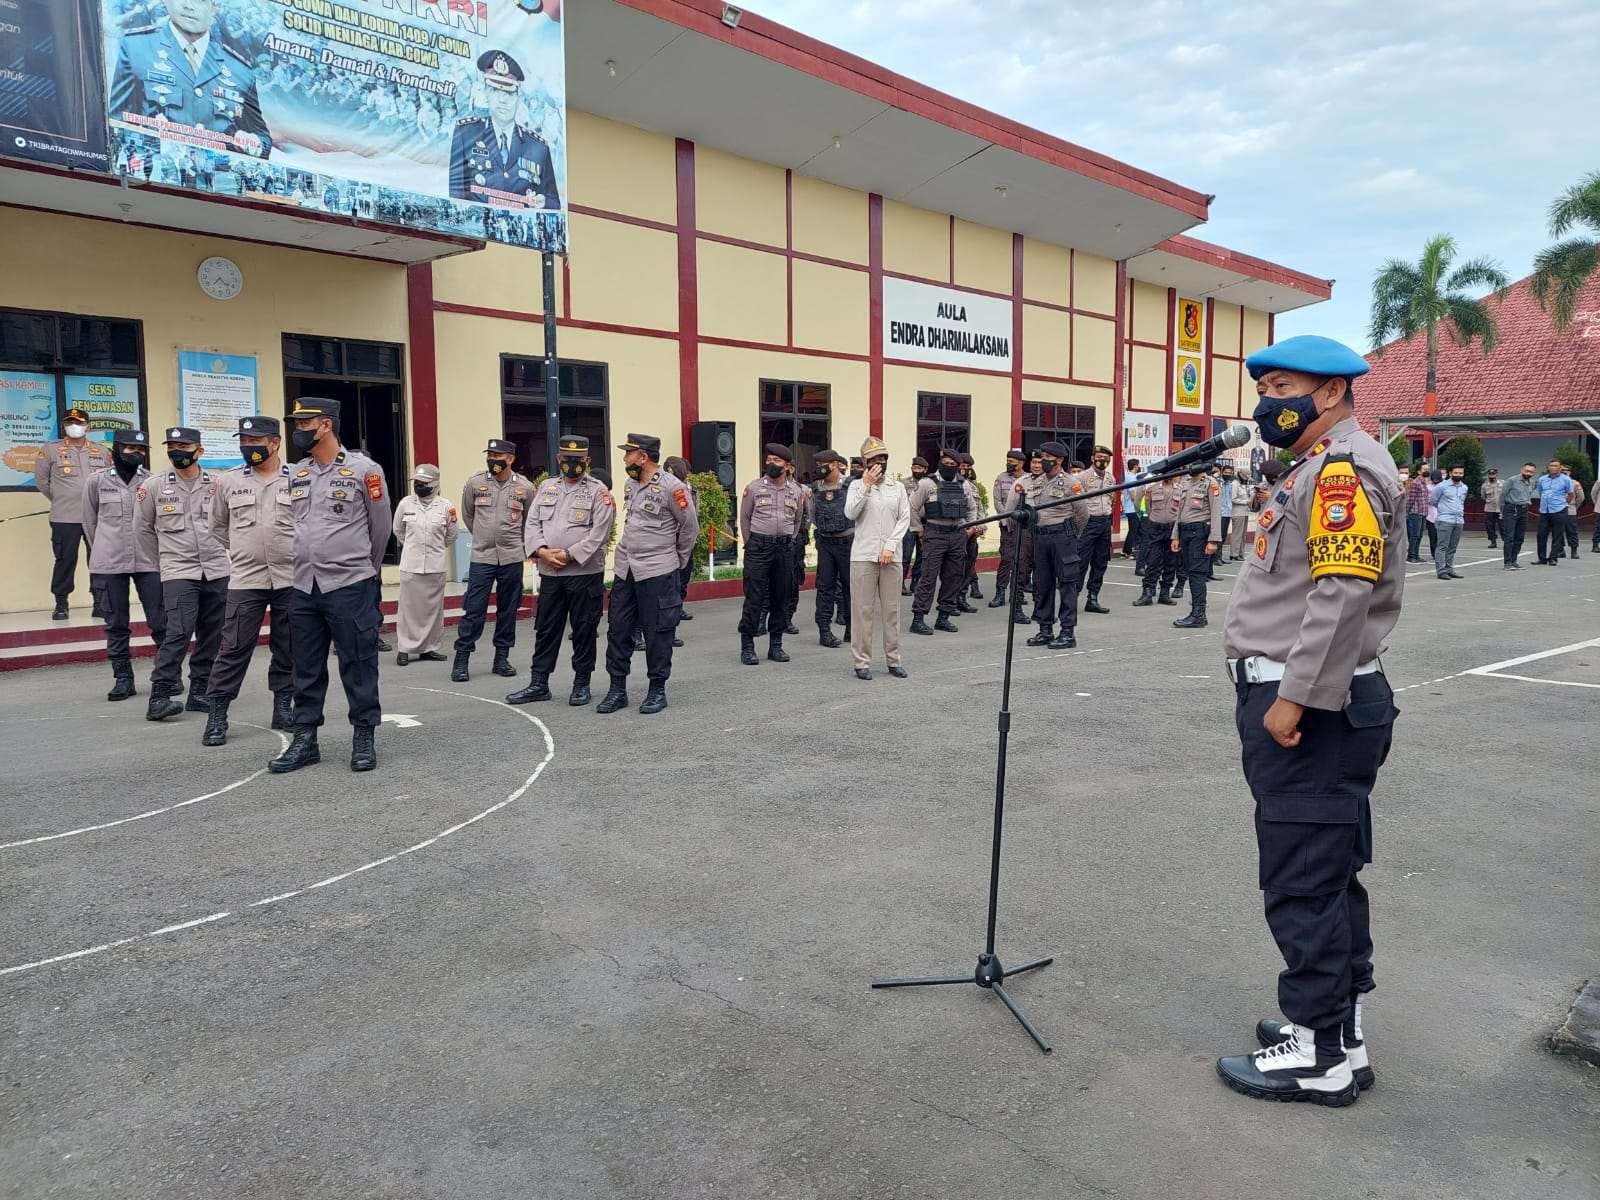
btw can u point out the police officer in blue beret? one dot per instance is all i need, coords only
(185, 71)
(495, 160)
(1317, 595)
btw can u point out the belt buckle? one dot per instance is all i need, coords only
(1252, 668)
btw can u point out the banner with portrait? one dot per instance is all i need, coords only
(52, 106)
(444, 115)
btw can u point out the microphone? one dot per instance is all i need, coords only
(1229, 439)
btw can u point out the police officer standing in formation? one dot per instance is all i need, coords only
(1055, 551)
(658, 534)
(1195, 538)
(770, 512)
(342, 522)
(1493, 490)
(1318, 593)
(969, 472)
(425, 525)
(253, 519)
(1094, 545)
(62, 468)
(1032, 488)
(176, 509)
(567, 535)
(1158, 560)
(494, 158)
(835, 533)
(494, 508)
(1008, 492)
(911, 546)
(943, 505)
(122, 552)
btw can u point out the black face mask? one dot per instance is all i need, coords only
(571, 469)
(256, 455)
(917, 473)
(1013, 468)
(182, 459)
(497, 466)
(128, 462)
(424, 490)
(304, 439)
(857, 472)
(1049, 464)
(947, 474)
(774, 470)
(634, 470)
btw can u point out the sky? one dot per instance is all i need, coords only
(1335, 134)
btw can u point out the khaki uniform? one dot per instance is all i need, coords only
(194, 575)
(252, 516)
(578, 518)
(881, 517)
(426, 532)
(1157, 558)
(59, 473)
(1493, 490)
(496, 512)
(1057, 568)
(658, 534)
(122, 552)
(770, 515)
(1094, 538)
(1201, 505)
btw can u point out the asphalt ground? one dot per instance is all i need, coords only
(545, 953)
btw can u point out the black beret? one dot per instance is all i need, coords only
(1054, 449)
(781, 451)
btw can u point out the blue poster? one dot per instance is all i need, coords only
(27, 422)
(111, 401)
(214, 392)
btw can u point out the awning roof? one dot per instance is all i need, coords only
(1201, 270)
(1528, 424)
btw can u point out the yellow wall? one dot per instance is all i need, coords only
(743, 294)
(739, 198)
(621, 169)
(1255, 331)
(99, 268)
(1148, 384)
(1149, 322)
(916, 242)
(502, 277)
(1094, 284)
(983, 258)
(1046, 272)
(1094, 349)
(832, 308)
(624, 274)
(829, 221)
(1046, 341)
(1225, 327)
(1224, 388)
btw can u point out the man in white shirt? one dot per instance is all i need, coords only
(881, 512)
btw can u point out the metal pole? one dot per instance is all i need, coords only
(552, 372)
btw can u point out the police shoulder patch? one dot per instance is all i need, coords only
(374, 486)
(1342, 536)
(1216, 489)
(682, 498)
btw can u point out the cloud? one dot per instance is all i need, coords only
(1192, 56)
(1398, 181)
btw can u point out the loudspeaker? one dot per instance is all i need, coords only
(711, 448)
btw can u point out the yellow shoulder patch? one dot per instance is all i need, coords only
(1342, 536)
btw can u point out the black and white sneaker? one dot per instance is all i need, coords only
(1272, 1030)
(1291, 1070)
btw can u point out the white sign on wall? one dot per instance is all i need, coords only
(1144, 436)
(926, 323)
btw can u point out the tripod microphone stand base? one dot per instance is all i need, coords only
(988, 974)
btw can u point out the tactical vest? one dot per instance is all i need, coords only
(830, 513)
(950, 504)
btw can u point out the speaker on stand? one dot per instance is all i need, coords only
(712, 448)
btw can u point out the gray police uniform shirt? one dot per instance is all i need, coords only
(342, 520)
(1093, 481)
(1062, 486)
(1008, 491)
(771, 508)
(479, 167)
(575, 517)
(1320, 588)
(496, 512)
(1163, 500)
(179, 511)
(1493, 489)
(60, 472)
(118, 544)
(1200, 502)
(911, 485)
(658, 529)
(153, 78)
(253, 518)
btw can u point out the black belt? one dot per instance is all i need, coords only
(1051, 530)
(1504, 507)
(941, 524)
(771, 539)
(837, 537)
(1106, 518)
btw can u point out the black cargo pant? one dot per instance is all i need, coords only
(1552, 532)
(1313, 820)
(505, 580)
(1194, 562)
(1094, 552)
(1513, 528)
(579, 599)
(64, 539)
(1056, 569)
(195, 609)
(971, 578)
(653, 605)
(1007, 570)
(911, 556)
(1157, 557)
(1132, 534)
(944, 565)
(347, 618)
(241, 629)
(833, 577)
(767, 571)
(797, 579)
(1491, 526)
(112, 592)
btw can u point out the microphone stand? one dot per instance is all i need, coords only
(990, 973)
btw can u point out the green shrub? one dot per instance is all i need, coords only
(1582, 465)
(716, 511)
(1465, 450)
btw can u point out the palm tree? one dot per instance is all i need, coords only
(1561, 271)
(1408, 298)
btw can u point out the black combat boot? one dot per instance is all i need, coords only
(1195, 620)
(121, 679)
(975, 593)
(826, 637)
(302, 752)
(283, 710)
(538, 689)
(791, 630)
(502, 664)
(60, 613)
(775, 651)
(161, 704)
(919, 625)
(961, 606)
(198, 700)
(638, 639)
(97, 612)
(747, 651)
(1177, 588)
(905, 588)
(1018, 616)
(1043, 637)
(655, 698)
(761, 626)
(945, 625)
(216, 733)
(1064, 641)
(1165, 597)
(1147, 597)
(580, 697)
(617, 698)
(1093, 604)
(999, 600)
(363, 754)
(458, 672)
(383, 648)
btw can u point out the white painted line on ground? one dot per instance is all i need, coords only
(1534, 679)
(1528, 658)
(138, 937)
(1476, 563)
(154, 812)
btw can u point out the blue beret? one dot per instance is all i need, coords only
(1308, 354)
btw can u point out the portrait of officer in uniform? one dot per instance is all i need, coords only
(493, 153)
(184, 70)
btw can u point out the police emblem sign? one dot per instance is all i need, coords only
(444, 115)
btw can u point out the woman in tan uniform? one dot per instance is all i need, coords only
(425, 528)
